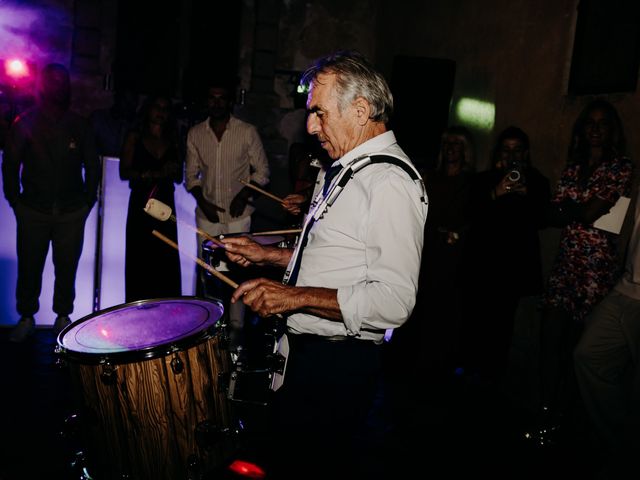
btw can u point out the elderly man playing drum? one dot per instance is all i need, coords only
(353, 273)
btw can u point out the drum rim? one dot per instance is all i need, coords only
(147, 353)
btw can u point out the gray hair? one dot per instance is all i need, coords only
(355, 77)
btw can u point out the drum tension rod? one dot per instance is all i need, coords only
(108, 374)
(177, 365)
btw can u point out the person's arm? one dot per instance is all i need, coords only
(567, 211)
(209, 209)
(611, 185)
(246, 252)
(11, 161)
(267, 297)
(259, 164)
(239, 202)
(193, 183)
(259, 168)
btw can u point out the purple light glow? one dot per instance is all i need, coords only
(16, 68)
(15, 24)
(38, 34)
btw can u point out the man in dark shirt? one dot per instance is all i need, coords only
(50, 176)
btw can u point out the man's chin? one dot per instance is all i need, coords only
(331, 152)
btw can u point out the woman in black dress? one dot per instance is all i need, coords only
(152, 163)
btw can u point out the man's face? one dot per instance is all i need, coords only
(218, 103)
(512, 153)
(56, 87)
(336, 130)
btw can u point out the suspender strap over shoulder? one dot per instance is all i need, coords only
(361, 162)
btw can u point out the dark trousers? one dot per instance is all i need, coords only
(35, 231)
(320, 413)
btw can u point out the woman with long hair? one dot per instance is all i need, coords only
(152, 164)
(587, 263)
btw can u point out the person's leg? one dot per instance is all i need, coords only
(320, 412)
(237, 310)
(33, 236)
(602, 358)
(554, 329)
(67, 241)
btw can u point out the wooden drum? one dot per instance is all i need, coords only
(152, 383)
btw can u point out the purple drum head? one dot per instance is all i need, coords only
(141, 325)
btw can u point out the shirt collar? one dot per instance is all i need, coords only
(230, 124)
(375, 144)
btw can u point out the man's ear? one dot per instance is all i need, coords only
(362, 110)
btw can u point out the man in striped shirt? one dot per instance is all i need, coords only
(221, 151)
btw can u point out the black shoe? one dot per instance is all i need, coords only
(23, 330)
(62, 321)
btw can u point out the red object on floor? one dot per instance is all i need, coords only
(246, 469)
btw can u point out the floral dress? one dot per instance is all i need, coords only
(586, 266)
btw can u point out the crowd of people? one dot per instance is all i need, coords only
(443, 257)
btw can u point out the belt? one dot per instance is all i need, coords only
(314, 338)
(311, 337)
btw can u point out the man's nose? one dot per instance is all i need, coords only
(312, 125)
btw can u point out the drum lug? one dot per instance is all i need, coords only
(177, 366)
(108, 374)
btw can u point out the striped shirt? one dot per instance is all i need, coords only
(216, 166)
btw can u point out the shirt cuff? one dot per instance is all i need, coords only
(348, 303)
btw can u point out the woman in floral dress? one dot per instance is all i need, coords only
(587, 263)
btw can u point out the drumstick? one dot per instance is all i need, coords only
(278, 232)
(203, 264)
(199, 261)
(161, 211)
(264, 192)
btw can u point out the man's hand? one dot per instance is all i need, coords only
(266, 297)
(239, 202)
(210, 210)
(244, 251)
(292, 203)
(507, 186)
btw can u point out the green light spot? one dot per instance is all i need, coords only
(476, 113)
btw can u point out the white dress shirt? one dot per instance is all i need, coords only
(368, 246)
(216, 165)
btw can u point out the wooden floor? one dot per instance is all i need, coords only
(421, 425)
